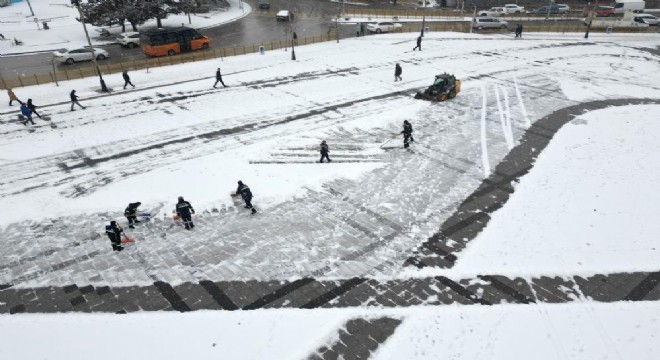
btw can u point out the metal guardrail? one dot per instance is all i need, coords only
(90, 71)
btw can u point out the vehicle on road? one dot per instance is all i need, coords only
(600, 11)
(514, 9)
(445, 86)
(480, 23)
(383, 26)
(264, 4)
(647, 19)
(129, 39)
(70, 56)
(564, 8)
(551, 9)
(169, 42)
(284, 15)
(494, 11)
(627, 21)
(621, 6)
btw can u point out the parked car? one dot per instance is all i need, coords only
(646, 19)
(601, 11)
(488, 23)
(130, 39)
(553, 9)
(383, 26)
(564, 8)
(264, 4)
(494, 11)
(514, 9)
(284, 15)
(69, 57)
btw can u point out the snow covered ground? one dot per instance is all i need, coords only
(65, 31)
(153, 144)
(545, 332)
(586, 206)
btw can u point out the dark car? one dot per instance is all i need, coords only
(554, 9)
(601, 11)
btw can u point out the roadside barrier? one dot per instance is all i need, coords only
(113, 68)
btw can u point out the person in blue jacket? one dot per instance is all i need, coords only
(25, 111)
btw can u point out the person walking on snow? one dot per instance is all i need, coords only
(520, 30)
(361, 29)
(74, 100)
(324, 152)
(25, 111)
(184, 210)
(246, 194)
(32, 108)
(218, 79)
(127, 79)
(114, 232)
(419, 43)
(131, 214)
(407, 133)
(12, 97)
(397, 72)
(357, 29)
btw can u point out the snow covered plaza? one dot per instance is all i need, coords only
(520, 224)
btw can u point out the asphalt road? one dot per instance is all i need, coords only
(314, 17)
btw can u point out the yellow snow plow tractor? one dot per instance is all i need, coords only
(444, 87)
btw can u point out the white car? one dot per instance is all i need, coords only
(514, 9)
(130, 39)
(480, 23)
(284, 15)
(646, 19)
(563, 8)
(494, 11)
(383, 26)
(69, 57)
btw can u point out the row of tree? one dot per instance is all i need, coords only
(135, 12)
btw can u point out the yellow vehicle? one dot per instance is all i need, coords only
(444, 87)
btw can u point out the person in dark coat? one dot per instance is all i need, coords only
(114, 232)
(407, 133)
(419, 43)
(324, 151)
(25, 111)
(127, 79)
(361, 29)
(185, 210)
(12, 97)
(131, 214)
(74, 100)
(397, 72)
(520, 30)
(32, 108)
(246, 194)
(218, 79)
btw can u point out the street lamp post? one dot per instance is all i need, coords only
(89, 41)
(591, 19)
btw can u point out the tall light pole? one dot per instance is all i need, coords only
(89, 41)
(591, 18)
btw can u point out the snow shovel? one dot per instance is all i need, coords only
(127, 240)
(394, 137)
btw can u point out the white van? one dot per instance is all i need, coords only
(621, 6)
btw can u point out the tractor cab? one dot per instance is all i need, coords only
(445, 86)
